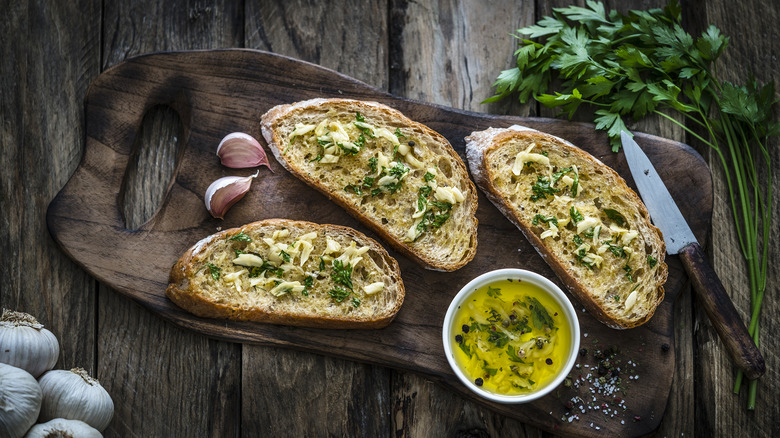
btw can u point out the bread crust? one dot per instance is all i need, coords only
(432, 259)
(479, 147)
(187, 295)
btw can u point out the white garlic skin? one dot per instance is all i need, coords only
(26, 344)
(239, 150)
(226, 191)
(75, 395)
(62, 427)
(20, 401)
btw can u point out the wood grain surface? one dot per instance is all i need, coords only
(212, 93)
(441, 52)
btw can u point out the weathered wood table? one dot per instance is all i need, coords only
(166, 380)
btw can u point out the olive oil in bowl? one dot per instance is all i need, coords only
(511, 336)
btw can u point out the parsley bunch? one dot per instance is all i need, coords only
(629, 66)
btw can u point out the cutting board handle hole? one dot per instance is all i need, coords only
(156, 153)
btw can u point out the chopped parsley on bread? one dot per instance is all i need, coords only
(290, 273)
(580, 215)
(398, 177)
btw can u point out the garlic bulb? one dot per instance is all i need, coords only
(226, 191)
(76, 396)
(20, 401)
(239, 151)
(24, 343)
(64, 428)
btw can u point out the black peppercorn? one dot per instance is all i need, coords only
(411, 143)
(665, 347)
(478, 381)
(584, 352)
(458, 339)
(548, 361)
(465, 328)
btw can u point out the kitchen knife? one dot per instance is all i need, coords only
(680, 240)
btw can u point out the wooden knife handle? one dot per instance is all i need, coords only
(724, 317)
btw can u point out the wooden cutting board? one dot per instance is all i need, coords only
(218, 92)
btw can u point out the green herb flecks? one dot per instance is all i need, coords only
(616, 250)
(513, 356)
(542, 188)
(615, 216)
(355, 188)
(348, 150)
(214, 270)
(494, 292)
(541, 318)
(442, 205)
(541, 218)
(576, 179)
(308, 282)
(339, 294)
(258, 271)
(465, 348)
(240, 237)
(498, 338)
(629, 275)
(575, 214)
(652, 261)
(342, 274)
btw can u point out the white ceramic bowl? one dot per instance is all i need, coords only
(516, 274)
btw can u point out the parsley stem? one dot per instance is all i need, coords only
(685, 128)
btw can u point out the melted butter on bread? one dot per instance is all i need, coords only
(376, 163)
(590, 227)
(340, 277)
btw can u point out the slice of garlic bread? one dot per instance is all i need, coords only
(291, 273)
(580, 215)
(398, 177)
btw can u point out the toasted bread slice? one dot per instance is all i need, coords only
(292, 273)
(580, 215)
(398, 177)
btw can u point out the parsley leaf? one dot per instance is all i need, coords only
(540, 315)
(342, 274)
(615, 216)
(542, 188)
(240, 237)
(214, 271)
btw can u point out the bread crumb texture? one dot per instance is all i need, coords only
(289, 272)
(399, 176)
(590, 224)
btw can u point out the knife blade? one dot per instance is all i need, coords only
(679, 239)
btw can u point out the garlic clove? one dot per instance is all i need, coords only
(226, 191)
(239, 151)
